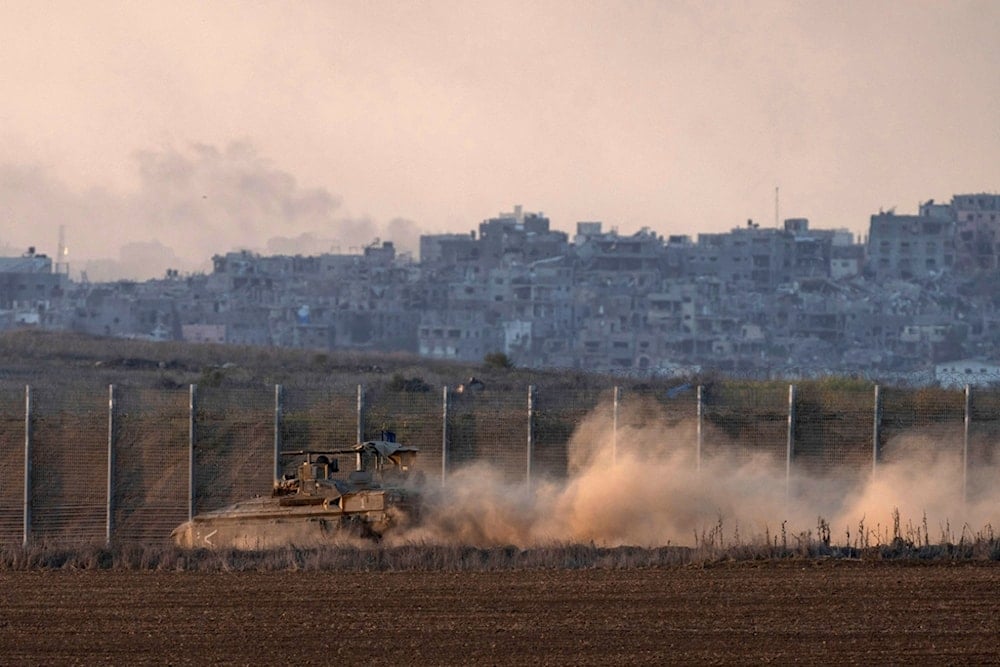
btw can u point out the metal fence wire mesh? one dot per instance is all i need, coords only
(233, 445)
(833, 430)
(11, 465)
(412, 417)
(69, 464)
(658, 422)
(116, 462)
(921, 424)
(316, 418)
(555, 418)
(983, 438)
(744, 421)
(489, 426)
(151, 462)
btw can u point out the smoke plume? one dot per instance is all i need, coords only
(188, 205)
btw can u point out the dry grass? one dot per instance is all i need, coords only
(35, 357)
(711, 548)
(407, 558)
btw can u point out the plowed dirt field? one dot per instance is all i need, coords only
(790, 612)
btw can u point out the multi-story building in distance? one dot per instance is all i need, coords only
(756, 301)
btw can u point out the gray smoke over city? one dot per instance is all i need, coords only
(188, 205)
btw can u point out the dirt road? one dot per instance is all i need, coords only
(800, 611)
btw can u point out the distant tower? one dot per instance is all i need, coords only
(776, 217)
(62, 253)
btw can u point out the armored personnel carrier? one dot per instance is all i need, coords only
(315, 505)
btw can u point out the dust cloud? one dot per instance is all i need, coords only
(645, 487)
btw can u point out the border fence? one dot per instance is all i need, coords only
(130, 464)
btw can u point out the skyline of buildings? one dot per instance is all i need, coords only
(757, 301)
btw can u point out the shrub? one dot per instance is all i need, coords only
(497, 360)
(412, 385)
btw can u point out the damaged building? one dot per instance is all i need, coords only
(755, 300)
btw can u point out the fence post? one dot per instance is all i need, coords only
(790, 448)
(531, 430)
(614, 427)
(701, 417)
(876, 429)
(110, 509)
(26, 509)
(278, 397)
(965, 443)
(444, 433)
(192, 412)
(361, 415)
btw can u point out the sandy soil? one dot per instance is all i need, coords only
(802, 612)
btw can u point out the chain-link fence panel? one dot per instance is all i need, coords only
(414, 417)
(152, 466)
(557, 416)
(678, 404)
(490, 426)
(834, 432)
(742, 421)
(11, 465)
(925, 426)
(833, 429)
(984, 434)
(317, 418)
(234, 445)
(69, 464)
(658, 421)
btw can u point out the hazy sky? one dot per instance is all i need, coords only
(177, 130)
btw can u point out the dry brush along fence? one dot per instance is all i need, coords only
(129, 464)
